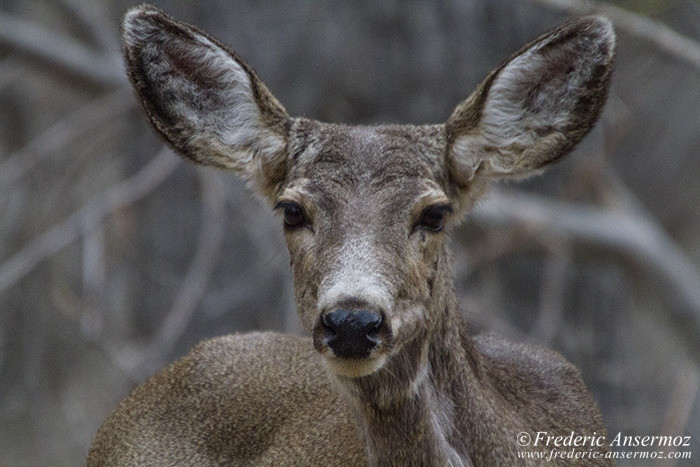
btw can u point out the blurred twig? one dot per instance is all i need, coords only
(138, 361)
(683, 394)
(87, 217)
(552, 293)
(638, 26)
(498, 244)
(630, 234)
(10, 70)
(87, 118)
(195, 282)
(94, 277)
(60, 54)
(89, 19)
(483, 315)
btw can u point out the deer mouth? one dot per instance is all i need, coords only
(354, 367)
(353, 343)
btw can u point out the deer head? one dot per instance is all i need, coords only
(366, 209)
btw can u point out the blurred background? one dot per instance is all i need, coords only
(116, 257)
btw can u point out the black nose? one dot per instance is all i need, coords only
(351, 334)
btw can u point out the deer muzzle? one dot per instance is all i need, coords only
(351, 334)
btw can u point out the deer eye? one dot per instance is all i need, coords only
(433, 217)
(293, 213)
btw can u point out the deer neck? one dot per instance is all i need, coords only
(409, 411)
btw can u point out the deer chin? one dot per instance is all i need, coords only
(354, 367)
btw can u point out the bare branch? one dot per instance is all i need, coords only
(682, 398)
(62, 55)
(10, 69)
(120, 357)
(630, 234)
(641, 27)
(552, 293)
(194, 284)
(482, 315)
(497, 245)
(90, 21)
(87, 118)
(87, 218)
(94, 279)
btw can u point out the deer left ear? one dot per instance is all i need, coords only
(203, 99)
(535, 107)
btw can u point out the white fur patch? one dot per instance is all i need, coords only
(442, 425)
(423, 371)
(354, 367)
(355, 276)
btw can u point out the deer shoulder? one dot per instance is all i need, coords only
(239, 399)
(538, 383)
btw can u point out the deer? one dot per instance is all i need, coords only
(389, 373)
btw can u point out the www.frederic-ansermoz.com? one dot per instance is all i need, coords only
(544, 447)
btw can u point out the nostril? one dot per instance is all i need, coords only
(328, 325)
(335, 320)
(374, 327)
(351, 334)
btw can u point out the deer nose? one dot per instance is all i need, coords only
(351, 334)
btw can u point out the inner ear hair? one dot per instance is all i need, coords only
(537, 106)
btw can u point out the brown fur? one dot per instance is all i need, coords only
(429, 394)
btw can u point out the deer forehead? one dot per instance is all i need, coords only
(365, 169)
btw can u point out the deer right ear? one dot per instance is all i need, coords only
(203, 99)
(535, 107)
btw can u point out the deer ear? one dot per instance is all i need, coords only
(536, 107)
(203, 99)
